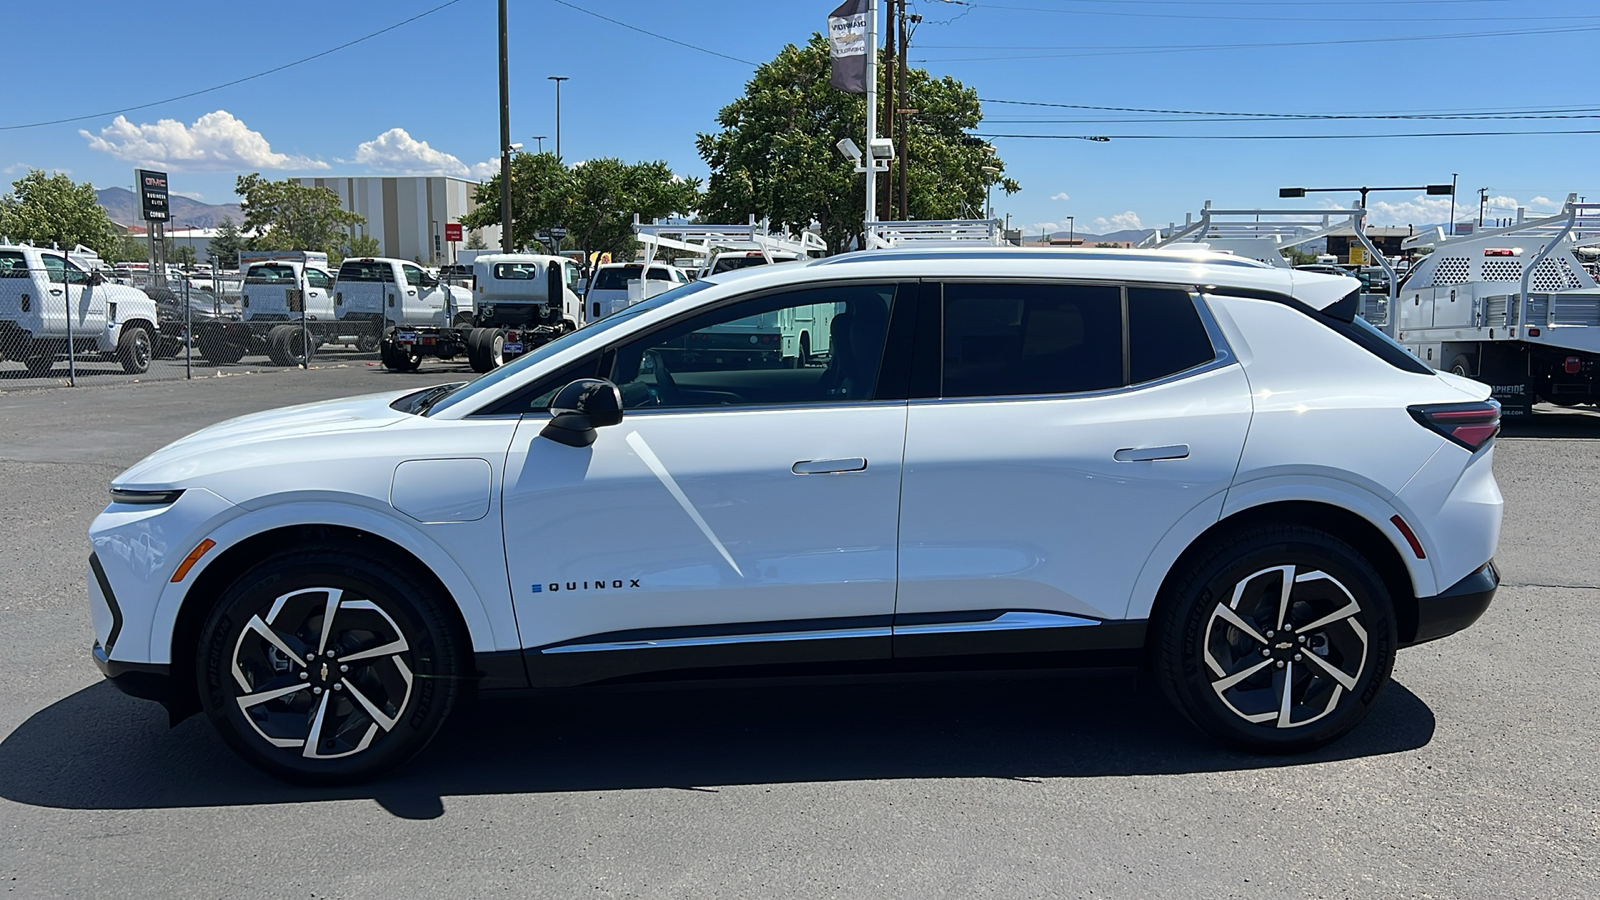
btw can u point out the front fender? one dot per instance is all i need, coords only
(483, 596)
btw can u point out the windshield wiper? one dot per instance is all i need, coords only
(429, 397)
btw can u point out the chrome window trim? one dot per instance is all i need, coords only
(1219, 344)
(765, 407)
(711, 640)
(1010, 621)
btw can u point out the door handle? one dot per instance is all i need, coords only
(829, 466)
(1150, 454)
(55, 292)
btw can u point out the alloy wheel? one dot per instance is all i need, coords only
(324, 672)
(1286, 646)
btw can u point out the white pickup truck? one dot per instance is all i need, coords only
(48, 303)
(420, 315)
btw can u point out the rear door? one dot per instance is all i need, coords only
(1066, 429)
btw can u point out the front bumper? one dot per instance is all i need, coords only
(1462, 604)
(147, 681)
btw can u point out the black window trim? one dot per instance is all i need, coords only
(1223, 357)
(1338, 318)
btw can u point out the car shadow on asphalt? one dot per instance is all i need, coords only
(98, 749)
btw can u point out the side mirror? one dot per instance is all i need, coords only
(97, 278)
(581, 407)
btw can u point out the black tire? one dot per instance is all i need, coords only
(1462, 364)
(486, 349)
(397, 360)
(266, 635)
(40, 366)
(1201, 649)
(367, 342)
(134, 350)
(287, 346)
(217, 349)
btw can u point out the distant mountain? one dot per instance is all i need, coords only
(123, 207)
(1133, 236)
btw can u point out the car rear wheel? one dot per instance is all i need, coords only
(328, 666)
(134, 350)
(1278, 639)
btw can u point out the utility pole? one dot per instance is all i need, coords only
(1483, 200)
(505, 135)
(872, 119)
(889, 107)
(905, 124)
(1453, 177)
(558, 79)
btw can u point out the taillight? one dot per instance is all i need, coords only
(1471, 425)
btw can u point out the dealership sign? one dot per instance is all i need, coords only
(152, 194)
(452, 231)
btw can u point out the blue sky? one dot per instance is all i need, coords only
(371, 108)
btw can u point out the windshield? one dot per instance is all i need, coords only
(616, 278)
(730, 263)
(528, 360)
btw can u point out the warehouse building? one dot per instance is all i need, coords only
(407, 214)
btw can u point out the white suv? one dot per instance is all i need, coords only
(1194, 463)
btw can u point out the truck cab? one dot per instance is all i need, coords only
(49, 303)
(400, 293)
(515, 289)
(279, 290)
(620, 285)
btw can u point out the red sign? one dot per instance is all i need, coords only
(452, 231)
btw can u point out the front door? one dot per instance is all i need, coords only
(1075, 426)
(743, 513)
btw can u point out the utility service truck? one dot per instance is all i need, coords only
(49, 303)
(523, 300)
(1517, 307)
(418, 315)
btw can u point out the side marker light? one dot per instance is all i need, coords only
(194, 556)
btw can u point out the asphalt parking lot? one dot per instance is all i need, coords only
(1477, 775)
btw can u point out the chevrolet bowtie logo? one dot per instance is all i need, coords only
(324, 671)
(1284, 645)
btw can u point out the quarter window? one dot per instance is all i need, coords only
(1165, 334)
(823, 345)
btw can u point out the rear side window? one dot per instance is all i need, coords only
(1020, 339)
(1165, 334)
(364, 271)
(13, 265)
(1028, 339)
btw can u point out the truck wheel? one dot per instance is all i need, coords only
(397, 360)
(133, 350)
(486, 349)
(329, 665)
(367, 342)
(1462, 365)
(217, 349)
(286, 346)
(1278, 639)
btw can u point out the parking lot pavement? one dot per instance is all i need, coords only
(1476, 775)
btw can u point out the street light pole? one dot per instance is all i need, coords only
(558, 79)
(540, 139)
(1070, 224)
(872, 120)
(505, 135)
(1483, 200)
(1453, 177)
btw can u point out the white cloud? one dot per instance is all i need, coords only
(397, 151)
(1046, 227)
(1123, 221)
(1425, 210)
(16, 169)
(216, 142)
(1061, 196)
(192, 195)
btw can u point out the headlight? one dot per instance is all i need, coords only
(144, 498)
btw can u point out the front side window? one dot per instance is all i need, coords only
(56, 268)
(747, 354)
(318, 278)
(413, 275)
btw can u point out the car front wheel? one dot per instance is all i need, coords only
(1278, 639)
(328, 666)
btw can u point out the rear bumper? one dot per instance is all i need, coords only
(147, 681)
(1462, 604)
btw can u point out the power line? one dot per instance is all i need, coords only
(236, 81)
(1502, 117)
(1276, 137)
(1203, 48)
(660, 37)
(1277, 3)
(1287, 116)
(1251, 17)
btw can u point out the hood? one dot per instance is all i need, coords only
(235, 442)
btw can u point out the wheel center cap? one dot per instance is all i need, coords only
(1283, 650)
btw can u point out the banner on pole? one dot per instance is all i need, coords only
(847, 46)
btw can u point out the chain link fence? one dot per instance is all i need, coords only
(63, 323)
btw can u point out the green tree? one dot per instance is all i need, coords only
(475, 241)
(228, 242)
(182, 255)
(775, 159)
(53, 209)
(595, 201)
(363, 245)
(287, 215)
(130, 248)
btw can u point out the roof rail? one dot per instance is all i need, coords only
(704, 239)
(936, 232)
(1580, 222)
